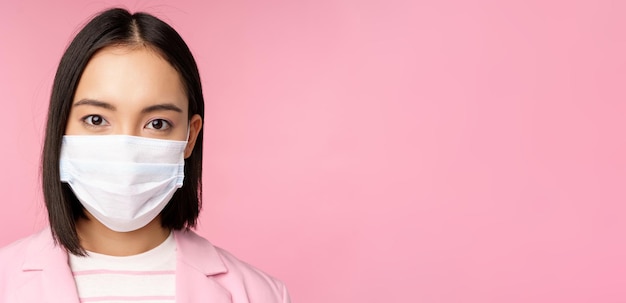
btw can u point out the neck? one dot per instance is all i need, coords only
(96, 237)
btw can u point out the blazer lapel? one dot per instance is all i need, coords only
(197, 261)
(49, 278)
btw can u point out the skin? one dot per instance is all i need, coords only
(129, 91)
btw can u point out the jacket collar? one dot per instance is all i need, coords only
(197, 261)
(198, 253)
(43, 252)
(50, 261)
(193, 250)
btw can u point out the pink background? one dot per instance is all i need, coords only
(381, 151)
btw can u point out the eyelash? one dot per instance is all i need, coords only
(167, 125)
(88, 121)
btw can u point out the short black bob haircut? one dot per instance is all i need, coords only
(117, 27)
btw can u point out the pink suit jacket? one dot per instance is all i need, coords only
(34, 269)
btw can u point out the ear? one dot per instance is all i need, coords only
(195, 125)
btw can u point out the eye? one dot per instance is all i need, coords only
(95, 120)
(158, 124)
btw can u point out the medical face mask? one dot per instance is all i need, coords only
(123, 181)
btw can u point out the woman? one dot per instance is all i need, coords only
(122, 176)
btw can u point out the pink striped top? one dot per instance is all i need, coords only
(147, 278)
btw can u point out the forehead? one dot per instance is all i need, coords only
(131, 76)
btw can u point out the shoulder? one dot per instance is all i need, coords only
(11, 254)
(11, 257)
(15, 256)
(246, 271)
(236, 275)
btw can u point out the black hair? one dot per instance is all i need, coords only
(117, 27)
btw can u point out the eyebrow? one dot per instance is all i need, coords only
(149, 109)
(95, 103)
(160, 107)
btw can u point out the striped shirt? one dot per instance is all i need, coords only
(146, 278)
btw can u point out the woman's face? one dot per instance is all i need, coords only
(135, 92)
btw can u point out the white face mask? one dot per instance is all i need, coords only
(123, 181)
